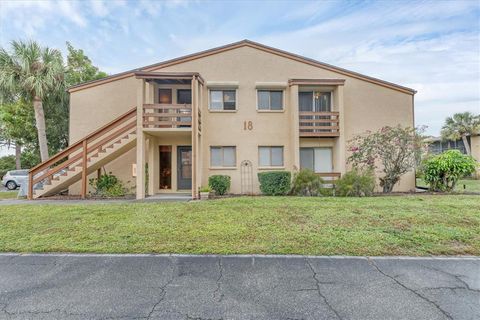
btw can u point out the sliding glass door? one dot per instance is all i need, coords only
(311, 101)
(319, 160)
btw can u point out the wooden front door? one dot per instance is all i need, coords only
(184, 167)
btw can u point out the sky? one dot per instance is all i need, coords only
(430, 46)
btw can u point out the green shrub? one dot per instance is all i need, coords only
(441, 172)
(275, 183)
(108, 185)
(205, 189)
(306, 183)
(356, 183)
(219, 183)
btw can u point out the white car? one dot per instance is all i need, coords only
(14, 179)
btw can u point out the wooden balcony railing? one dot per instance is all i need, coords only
(79, 153)
(329, 177)
(167, 116)
(319, 124)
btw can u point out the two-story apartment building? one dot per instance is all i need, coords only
(235, 110)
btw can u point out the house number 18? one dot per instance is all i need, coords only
(247, 125)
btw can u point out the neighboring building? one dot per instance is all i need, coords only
(234, 110)
(438, 145)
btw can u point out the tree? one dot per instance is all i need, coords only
(461, 125)
(80, 68)
(17, 117)
(17, 127)
(395, 148)
(32, 73)
(442, 171)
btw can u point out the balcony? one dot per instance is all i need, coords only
(167, 116)
(319, 124)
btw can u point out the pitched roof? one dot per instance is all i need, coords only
(236, 45)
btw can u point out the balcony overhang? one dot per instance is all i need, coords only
(169, 77)
(316, 82)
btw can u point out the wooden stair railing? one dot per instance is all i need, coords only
(77, 154)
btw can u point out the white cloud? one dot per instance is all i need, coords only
(71, 11)
(99, 8)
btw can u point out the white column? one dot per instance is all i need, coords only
(194, 135)
(295, 132)
(151, 165)
(342, 139)
(140, 181)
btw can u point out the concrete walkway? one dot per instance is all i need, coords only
(237, 287)
(175, 197)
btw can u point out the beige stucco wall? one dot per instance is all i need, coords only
(475, 146)
(94, 107)
(367, 106)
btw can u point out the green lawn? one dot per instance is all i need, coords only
(470, 185)
(395, 225)
(8, 195)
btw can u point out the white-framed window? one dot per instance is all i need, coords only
(318, 160)
(271, 156)
(270, 100)
(223, 99)
(223, 156)
(315, 101)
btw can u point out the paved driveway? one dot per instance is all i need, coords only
(237, 287)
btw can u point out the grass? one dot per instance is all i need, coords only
(396, 225)
(8, 195)
(471, 185)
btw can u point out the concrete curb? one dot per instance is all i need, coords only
(271, 256)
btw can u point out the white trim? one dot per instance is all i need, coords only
(223, 84)
(271, 85)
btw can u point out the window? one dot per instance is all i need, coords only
(165, 155)
(19, 173)
(315, 101)
(270, 156)
(222, 100)
(270, 100)
(316, 159)
(165, 96)
(223, 156)
(184, 96)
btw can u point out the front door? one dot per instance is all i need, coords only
(184, 168)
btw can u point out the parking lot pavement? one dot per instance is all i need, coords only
(237, 287)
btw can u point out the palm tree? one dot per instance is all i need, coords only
(32, 72)
(461, 125)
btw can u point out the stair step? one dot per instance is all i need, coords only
(98, 155)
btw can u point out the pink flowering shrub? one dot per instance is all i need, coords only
(395, 149)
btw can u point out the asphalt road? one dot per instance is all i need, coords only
(237, 287)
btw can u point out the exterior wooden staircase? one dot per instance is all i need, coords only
(80, 159)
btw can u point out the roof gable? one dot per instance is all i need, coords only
(239, 44)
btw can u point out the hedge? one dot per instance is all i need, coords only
(275, 183)
(219, 183)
